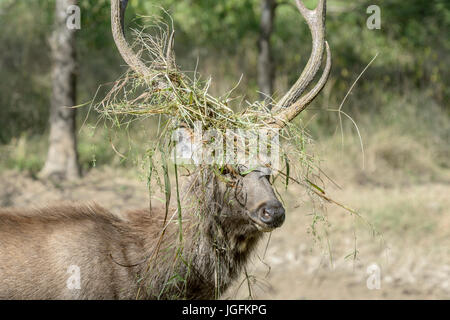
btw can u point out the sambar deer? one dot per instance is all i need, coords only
(86, 252)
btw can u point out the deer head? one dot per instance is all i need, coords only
(254, 199)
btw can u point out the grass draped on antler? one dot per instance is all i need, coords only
(163, 90)
(180, 99)
(169, 92)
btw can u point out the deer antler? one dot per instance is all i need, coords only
(118, 8)
(293, 102)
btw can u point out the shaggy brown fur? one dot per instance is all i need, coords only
(121, 257)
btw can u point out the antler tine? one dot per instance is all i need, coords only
(292, 104)
(118, 8)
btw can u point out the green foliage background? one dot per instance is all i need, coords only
(406, 88)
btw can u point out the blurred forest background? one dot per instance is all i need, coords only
(400, 105)
(405, 91)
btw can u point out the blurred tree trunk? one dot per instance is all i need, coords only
(265, 62)
(62, 158)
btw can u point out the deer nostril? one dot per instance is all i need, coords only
(266, 215)
(273, 213)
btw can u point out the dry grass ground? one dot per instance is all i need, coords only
(406, 200)
(413, 255)
(401, 192)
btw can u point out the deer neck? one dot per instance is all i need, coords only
(222, 241)
(212, 251)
